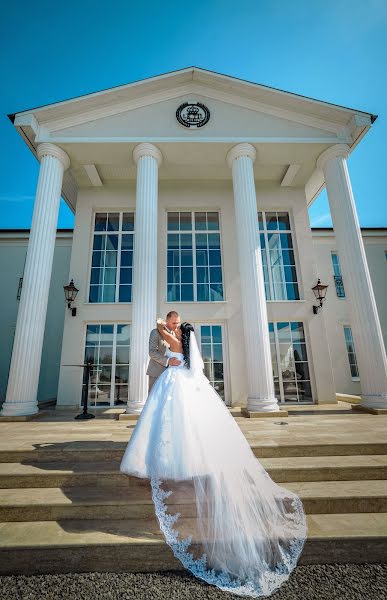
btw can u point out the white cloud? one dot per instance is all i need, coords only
(15, 197)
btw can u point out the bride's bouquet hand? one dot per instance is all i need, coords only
(160, 322)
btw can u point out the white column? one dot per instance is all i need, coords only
(259, 371)
(148, 158)
(365, 324)
(23, 380)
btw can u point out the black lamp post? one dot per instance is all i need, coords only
(319, 291)
(70, 292)
(87, 367)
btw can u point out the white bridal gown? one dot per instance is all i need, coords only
(223, 516)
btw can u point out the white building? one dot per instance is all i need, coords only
(175, 182)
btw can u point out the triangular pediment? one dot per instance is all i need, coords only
(149, 105)
(156, 119)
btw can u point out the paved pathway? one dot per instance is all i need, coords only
(314, 582)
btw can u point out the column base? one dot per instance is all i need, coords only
(41, 413)
(19, 409)
(369, 409)
(378, 401)
(255, 414)
(262, 405)
(133, 410)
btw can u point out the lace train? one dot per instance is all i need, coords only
(259, 584)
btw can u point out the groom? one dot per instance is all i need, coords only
(157, 347)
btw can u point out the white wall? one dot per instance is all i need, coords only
(13, 250)
(337, 310)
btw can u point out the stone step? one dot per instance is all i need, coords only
(36, 474)
(89, 451)
(326, 468)
(37, 504)
(368, 496)
(39, 474)
(76, 546)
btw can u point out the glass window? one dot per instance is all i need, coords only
(112, 258)
(351, 352)
(277, 252)
(194, 265)
(337, 275)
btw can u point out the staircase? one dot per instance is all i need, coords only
(69, 509)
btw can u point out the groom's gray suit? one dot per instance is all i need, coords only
(158, 360)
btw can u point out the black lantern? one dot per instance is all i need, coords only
(319, 291)
(70, 292)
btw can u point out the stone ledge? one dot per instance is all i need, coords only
(40, 413)
(351, 398)
(127, 417)
(372, 411)
(258, 414)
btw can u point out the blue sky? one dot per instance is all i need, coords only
(332, 50)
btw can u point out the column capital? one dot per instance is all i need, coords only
(147, 149)
(243, 149)
(336, 151)
(46, 148)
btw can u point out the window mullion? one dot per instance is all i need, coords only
(118, 267)
(268, 256)
(212, 355)
(194, 255)
(283, 282)
(278, 356)
(113, 373)
(105, 234)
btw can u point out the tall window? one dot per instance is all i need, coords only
(351, 352)
(279, 268)
(194, 265)
(112, 257)
(210, 340)
(290, 362)
(108, 345)
(337, 275)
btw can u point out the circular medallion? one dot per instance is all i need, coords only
(193, 115)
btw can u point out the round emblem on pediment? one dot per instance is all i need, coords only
(192, 115)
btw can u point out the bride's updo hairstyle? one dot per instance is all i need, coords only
(186, 329)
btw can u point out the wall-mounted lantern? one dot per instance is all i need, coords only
(70, 292)
(319, 291)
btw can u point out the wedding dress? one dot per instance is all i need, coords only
(222, 515)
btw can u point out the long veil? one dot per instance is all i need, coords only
(226, 521)
(195, 358)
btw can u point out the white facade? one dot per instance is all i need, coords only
(170, 197)
(13, 250)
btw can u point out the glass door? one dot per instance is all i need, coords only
(211, 343)
(290, 362)
(108, 345)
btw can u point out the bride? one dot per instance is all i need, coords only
(222, 515)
